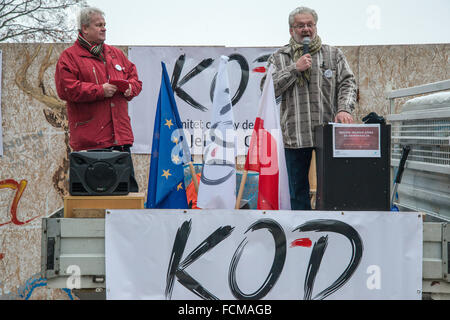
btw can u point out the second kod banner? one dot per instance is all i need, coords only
(169, 254)
(193, 72)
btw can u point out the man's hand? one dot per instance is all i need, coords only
(304, 63)
(109, 90)
(343, 117)
(128, 92)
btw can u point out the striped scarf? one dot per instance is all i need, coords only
(297, 49)
(95, 49)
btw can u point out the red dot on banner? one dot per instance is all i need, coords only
(303, 242)
(2, 255)
(259, 69)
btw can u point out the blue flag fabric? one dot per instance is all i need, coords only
(166, 187)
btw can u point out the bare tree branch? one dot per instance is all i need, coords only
(38, 20)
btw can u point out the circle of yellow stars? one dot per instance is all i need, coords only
(175, 158)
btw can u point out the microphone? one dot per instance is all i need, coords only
(306, 41)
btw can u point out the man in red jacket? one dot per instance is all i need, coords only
(97, 109)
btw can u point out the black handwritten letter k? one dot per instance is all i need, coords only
(177, 268)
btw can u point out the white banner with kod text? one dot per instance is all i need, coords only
(193, 72)
(251, 254)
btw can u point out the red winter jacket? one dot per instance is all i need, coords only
(95, 122)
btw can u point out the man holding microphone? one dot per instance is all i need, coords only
(317, 86)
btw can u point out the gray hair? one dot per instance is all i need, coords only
(300, 10)
(84, 18)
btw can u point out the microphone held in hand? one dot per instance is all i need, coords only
(306, 41)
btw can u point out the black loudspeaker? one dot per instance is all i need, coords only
(354, 184)
(99, 172)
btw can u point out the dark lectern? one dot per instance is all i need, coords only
(352, 183)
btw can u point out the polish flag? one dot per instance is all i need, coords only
(266, 153)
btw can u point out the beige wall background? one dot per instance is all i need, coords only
(34, 167)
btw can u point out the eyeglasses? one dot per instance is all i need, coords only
(304, 26)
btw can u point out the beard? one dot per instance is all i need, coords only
(299, 38)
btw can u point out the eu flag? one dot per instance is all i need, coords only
(169, 151)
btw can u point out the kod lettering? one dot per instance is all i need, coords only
(177, 266)
(178, 83)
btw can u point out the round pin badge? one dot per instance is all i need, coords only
(119, 68)
(328, 73)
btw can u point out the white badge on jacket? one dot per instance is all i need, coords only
(328, 73)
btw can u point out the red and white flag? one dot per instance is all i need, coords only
(266, 153)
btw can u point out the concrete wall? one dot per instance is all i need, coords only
(34, 168)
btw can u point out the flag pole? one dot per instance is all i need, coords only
(241, 190)
(194, 176)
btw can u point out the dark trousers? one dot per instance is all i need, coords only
(298, 162)
(133, 183)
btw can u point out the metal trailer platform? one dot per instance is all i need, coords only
(424, 125)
